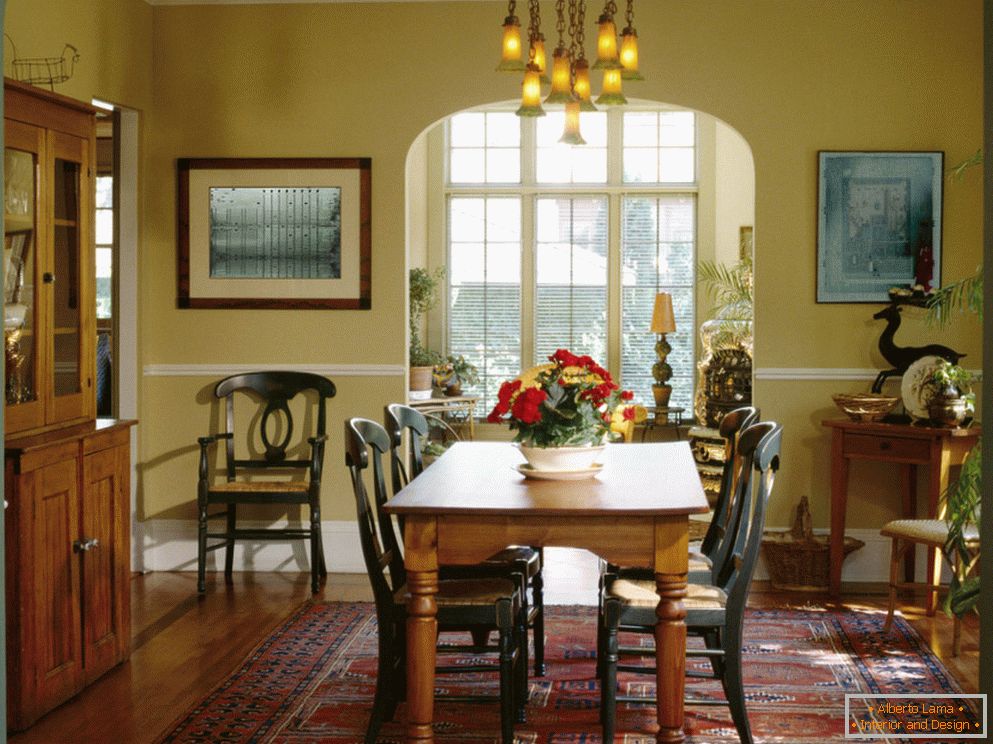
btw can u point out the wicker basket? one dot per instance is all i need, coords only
(865, 406)
(797, 560)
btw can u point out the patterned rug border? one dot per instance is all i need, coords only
(358, 613)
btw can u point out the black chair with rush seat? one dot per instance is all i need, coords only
(518, 560)
(477, 604)
(286, 471)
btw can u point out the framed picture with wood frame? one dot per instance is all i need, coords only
(274, 233)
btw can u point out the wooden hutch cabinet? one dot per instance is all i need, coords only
(67, 475)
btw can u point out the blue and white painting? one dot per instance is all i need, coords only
(879, 224)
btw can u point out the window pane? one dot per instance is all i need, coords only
(468, 130)
(676, 164)
(593, 125)
(105, 192)
(641, 129)
(485, 294)
(640, 165)
(652, 263)
(553, 164)
(466, 219)
(549, 128)
(589, 164)
(105, 226)
(466, 166)
(503, 166)
(678, 129)
(104, 290)
(503, 129)
(571, 291)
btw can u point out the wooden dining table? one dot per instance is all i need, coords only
(473, 501)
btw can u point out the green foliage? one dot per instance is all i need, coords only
(965, 295)
(423, 290)
(963, 504)
(730, 287)
(462, 370)
(950, 379)
(959, 170)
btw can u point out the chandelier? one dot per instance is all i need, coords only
(570, 74)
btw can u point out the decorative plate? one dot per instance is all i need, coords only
(559, 475)
(913, 388)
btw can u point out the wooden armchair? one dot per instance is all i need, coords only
(287, 471)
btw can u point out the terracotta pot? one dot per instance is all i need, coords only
(420, 379)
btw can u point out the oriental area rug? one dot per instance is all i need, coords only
(312, 680)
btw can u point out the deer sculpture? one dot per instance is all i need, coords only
(902, 357)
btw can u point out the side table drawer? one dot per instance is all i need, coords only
(887, 447)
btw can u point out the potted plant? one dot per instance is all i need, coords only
(950, 396)
(458, 372)
(423, 297)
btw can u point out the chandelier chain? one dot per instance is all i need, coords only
(629, 15)
(511, 8)
(534, 27)
(609, 8)
(580, 33)
(560, 21)
(572, 32)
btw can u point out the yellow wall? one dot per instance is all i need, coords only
(365, 79)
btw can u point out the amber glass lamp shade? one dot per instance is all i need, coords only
(561, 78)
(531, 93)
(606, 45)
(581, 86)
(629, 55)
(539, 58)
(611, 95)
(571, 135)
(511, 50)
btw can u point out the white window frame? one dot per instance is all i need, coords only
(529, 190)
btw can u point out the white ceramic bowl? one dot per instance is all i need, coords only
(561, 458)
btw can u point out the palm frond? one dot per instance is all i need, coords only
(963, 504)
(959, 170)
(729, 286)
(965, 295)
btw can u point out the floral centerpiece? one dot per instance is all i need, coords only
(567, 404)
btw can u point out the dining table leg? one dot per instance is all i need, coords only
(421, 563)
(671, 551)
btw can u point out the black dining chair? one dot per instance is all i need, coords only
(715, 612)
(515, 559)
(490, 604)
(285, 471)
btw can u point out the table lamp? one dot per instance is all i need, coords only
(663, 322)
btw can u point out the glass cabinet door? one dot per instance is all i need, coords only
(24, 240)
(69, 269)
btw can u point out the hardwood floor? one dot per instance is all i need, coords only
(184, 645)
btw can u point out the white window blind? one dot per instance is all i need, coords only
(571, 276)
(657, 255)
(484, 276)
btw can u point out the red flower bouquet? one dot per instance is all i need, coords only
(569, 402)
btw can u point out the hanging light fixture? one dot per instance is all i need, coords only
(561, 73)
(611, 95)
(531, 93)
(511, 57)
(606, 39)
(581, 86)
(571, 135)
(534, 73)
(629, 47)
(536, 41)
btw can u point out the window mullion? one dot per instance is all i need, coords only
(528, 280)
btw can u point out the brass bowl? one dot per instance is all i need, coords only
(865, 406)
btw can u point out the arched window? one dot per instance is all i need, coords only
(549, 245)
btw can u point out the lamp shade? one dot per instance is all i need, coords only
(663, 320)
(511, 51)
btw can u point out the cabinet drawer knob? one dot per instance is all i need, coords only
(85, 545)
(48, 277)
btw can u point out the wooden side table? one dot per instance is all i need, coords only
(903, 444)
(663, 416)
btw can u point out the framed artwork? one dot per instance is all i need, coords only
(274, 233)
(878, 223)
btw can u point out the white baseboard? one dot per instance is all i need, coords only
(170, 545)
